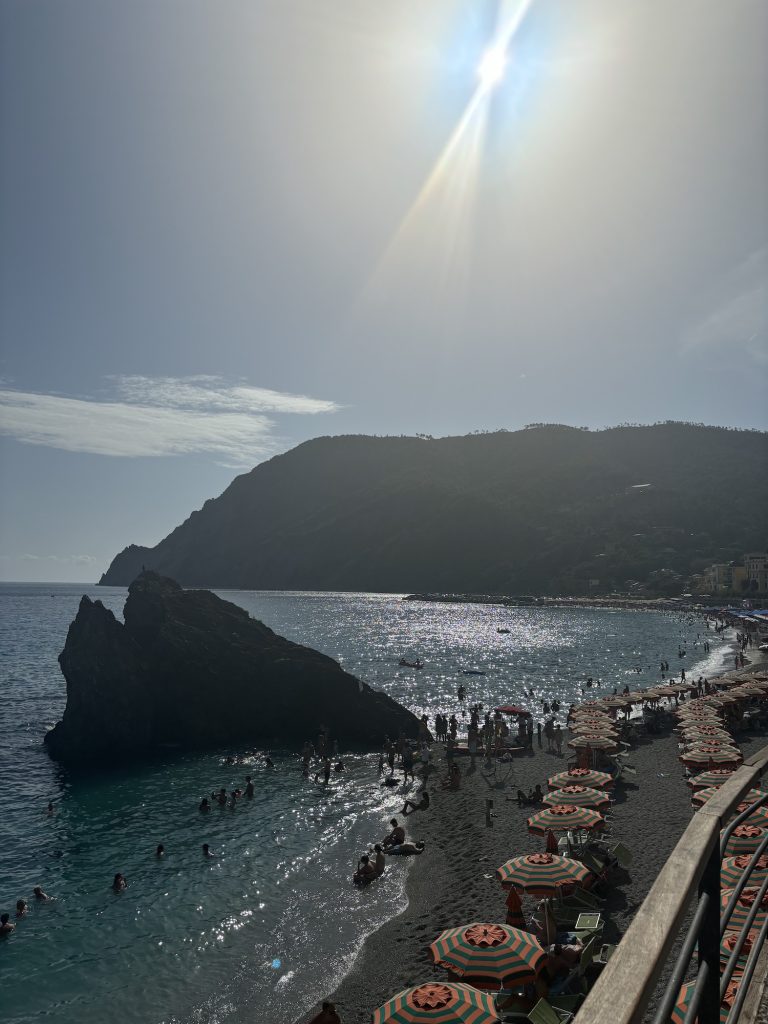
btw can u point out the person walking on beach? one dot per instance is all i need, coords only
(538, 733)
(559, 738)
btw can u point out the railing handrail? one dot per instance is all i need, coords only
(626, 984)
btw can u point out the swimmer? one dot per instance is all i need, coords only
(269, 763)
(207, 851)
(249, 787)
(21, 908)
(119, 883)
(204, 804)
(50, 809)
(5, 925)
(160, 851)
(339, 766)
(220, 797)
(39, 895)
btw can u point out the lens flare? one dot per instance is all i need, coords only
(491, 69)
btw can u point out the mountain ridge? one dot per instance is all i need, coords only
(540, 510)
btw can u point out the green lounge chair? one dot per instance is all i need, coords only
(544, 1013)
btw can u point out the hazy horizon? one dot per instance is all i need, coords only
(227, 229)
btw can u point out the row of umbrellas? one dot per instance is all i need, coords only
(708, 744)
(491, 953)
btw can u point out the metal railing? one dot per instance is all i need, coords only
(626, 985)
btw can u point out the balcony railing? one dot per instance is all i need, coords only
(627, 984)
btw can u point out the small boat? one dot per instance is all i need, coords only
(503, 630)
(472, 672)
(411, 664)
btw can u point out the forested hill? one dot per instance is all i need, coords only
(541, 510)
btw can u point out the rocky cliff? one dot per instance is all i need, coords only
(191, 670)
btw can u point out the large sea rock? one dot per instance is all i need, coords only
(191, 670)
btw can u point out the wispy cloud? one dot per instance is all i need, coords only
(157, 417)
(740, 315)
(63, 559)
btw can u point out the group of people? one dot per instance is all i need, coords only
(221, 798)
(372, 864)
(7, 926)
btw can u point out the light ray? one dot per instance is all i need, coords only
(461, 146)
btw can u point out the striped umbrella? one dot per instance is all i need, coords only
(564, 817)
(733, 868)
(710, 757)
(438, 1003)
(589, 704)
(703, 728)
(731, 941)
(710, 743)
(582, 776)
(496, 951)
(744, 839)
(594, 740)
(593, 718)
(542, 874)
(699, 712)
(719, 737)
(686, 993)
(743, 907)
(702, 795)
(715, 777)
(582, 796)
(515, 910)
(615, 702)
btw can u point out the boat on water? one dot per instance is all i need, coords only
(404, 663)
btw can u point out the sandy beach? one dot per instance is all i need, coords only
(454, 882)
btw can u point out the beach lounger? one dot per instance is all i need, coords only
(544, 1013)
(585, 899)
(605, 954)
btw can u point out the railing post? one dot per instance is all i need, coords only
(709, 940)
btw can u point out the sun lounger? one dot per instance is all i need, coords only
(544, 1013)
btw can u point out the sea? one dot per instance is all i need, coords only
(269, 925)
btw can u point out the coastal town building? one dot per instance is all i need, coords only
(748, 577)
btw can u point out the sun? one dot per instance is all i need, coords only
(491, 68)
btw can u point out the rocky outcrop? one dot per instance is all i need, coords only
(191, 670)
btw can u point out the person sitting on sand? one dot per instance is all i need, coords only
(5, 925)
(422, 805)
(327, 1015)
(119, 883)
(366, 871)
(395, 837)
(39, 895)
(21, 908)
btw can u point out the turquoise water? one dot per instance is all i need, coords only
(258, 933)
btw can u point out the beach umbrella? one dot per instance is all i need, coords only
(504, 954)
(615, 702)
(744, 839)
(702, 795)
(731, 941)
(592, 719)
(582, 776)
(583, 796)
(703, 728)
(589, 704)
(596, 741)
(515, 909)
(743, 907)
(699, 712)
(712, 742)
(693, 736)
(708, 756)
(635, 697)
(686, 993)
(446, 1002)
(733, 868)
(563, 817)
(542, 874)
(715, 777)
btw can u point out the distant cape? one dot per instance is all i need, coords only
(189, 670)
(545, 510)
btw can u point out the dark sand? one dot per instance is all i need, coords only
(454, 882)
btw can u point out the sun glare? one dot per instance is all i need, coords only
(492, 67)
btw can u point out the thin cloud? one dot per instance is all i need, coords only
(740, 317)
(156, 417)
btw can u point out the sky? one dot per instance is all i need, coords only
(227, 226)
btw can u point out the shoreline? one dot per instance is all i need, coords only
(454, 882)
